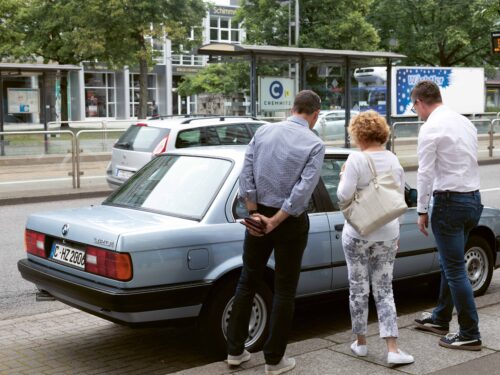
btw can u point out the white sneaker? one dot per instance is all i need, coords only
(286, 364)
(236, 360)
(399, 358)
(359, 350)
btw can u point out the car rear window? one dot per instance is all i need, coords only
(182, 186)
(141, 138)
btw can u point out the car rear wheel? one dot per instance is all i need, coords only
(217, 312)
(478, 264)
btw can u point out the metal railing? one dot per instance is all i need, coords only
(400, 124)
(476, 122)
(78, 150)
(74, 167)
(76, 138)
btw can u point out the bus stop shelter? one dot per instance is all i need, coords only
(346, 58)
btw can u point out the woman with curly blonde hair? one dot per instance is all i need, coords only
(370, 258)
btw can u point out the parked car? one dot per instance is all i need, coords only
(144, 140)
(167, 245)
(331, 124)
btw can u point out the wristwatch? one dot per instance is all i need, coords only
(422, 213)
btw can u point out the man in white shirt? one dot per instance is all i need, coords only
(448, 170)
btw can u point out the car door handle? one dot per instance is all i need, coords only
(339, 227)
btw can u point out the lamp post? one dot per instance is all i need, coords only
(296, 25)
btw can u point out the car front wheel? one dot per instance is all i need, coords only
(215, 318)
(478, 264)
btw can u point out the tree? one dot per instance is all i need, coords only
(438, 32)
(129, 24)
(223, 79)
(333, 24)
(114, 32)
(10, 38)
(214, 79)
(58, 31)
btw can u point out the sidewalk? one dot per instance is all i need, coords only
(332, 355)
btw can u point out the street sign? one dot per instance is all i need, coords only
(276, 93)
(495, 41)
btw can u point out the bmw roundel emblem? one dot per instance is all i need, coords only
(65, 229)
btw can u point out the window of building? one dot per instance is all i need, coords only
(135, 94)
(224, 29)
(100, 95)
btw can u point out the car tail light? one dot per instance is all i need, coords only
(162, 146)
(35, 243)
(107, 263)
(141, 124)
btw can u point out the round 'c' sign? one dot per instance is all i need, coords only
(276, 89)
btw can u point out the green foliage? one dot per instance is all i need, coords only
(10, 37)
(333, 24)
(216, 79)
(438, 32)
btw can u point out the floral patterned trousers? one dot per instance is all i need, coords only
(371, 262)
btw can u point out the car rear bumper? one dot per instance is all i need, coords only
(139, 305)
(113, 183)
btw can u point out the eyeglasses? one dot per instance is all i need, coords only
(413, 106)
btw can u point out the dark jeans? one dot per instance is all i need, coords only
(288, 240)
(453, 217)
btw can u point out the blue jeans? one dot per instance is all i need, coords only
(289, 241)
(453, 217)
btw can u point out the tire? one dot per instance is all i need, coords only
(217, 311)
(478, 264)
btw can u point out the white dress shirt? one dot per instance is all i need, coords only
(447, 155)
(357, 176)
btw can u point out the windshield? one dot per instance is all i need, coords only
(182, 186)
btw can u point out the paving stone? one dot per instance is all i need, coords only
(429, 356)
(325, 361)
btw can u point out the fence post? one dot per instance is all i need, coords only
(77, 144)
(492, 135)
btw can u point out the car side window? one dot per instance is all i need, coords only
(236, 134)
(254, 126)
(205, 136)
(331, 178)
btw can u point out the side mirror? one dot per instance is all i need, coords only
(412, 197)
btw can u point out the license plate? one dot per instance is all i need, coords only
(120, 173)
(68, 255)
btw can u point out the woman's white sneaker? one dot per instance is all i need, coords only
(399, 358)
(359, 350)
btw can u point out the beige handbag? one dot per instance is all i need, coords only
(377, 204)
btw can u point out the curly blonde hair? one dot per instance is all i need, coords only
(369, 127)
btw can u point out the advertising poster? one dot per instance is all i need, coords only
(462, 89)
(21, 100)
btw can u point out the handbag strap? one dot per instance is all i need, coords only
(371, 164)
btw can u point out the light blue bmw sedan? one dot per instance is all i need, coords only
(167, 245)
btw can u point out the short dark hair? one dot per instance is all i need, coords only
(306, 101)
(427, 92)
